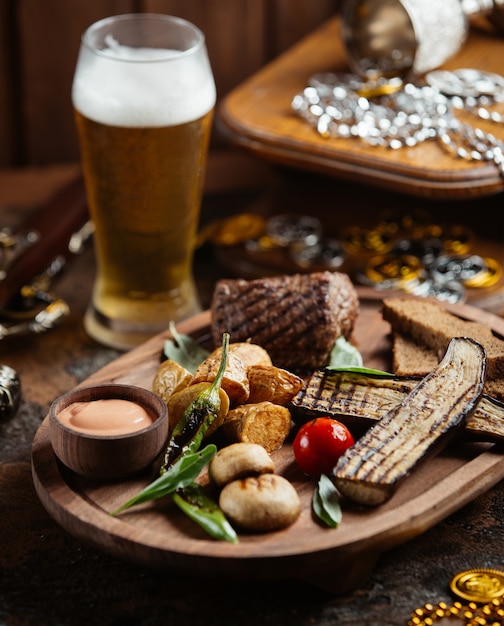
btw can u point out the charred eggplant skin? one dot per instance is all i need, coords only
(359, 399)
(418, 427)
(354, 398)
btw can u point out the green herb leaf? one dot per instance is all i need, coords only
(195, 503)
(344, 354)
(179, 475)
(367, 371)
(325, 502)
(184, 350)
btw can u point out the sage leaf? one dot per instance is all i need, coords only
(344, 354)
(198, 506)
(325, 502)
(179, 475)
(184, 350)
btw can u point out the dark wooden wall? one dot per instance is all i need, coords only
(39, 42)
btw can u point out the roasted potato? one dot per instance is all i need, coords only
(235, 381)
(264, 423)
(180, 400)
(249, 353)
(272, 384)
(170, 377)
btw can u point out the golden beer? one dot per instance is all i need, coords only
(144, 127)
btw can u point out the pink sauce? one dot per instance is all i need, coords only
(106, 417)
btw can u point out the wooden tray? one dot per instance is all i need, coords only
(157, 535)
(257, 115)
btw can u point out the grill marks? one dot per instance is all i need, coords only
(369, 472)
(487, 422)
(295, 318)
(358, 397)
(359, 400)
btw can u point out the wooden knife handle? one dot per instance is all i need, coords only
(55, 222)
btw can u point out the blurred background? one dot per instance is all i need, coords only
(39, 42)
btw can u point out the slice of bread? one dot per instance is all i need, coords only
(411, 359)
(495, 388)
(431, 326)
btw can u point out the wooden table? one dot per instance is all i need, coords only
(48, 577)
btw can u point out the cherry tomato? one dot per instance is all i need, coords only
(319, 444)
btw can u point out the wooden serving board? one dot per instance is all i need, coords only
(158, 535)
(257, 116)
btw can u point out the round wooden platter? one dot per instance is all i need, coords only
(158, 535)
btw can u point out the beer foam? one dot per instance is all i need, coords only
(143, 87)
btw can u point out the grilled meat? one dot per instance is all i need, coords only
(423, 422)
(295, 318)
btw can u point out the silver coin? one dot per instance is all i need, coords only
(450, 291)
(466, 82)
(458, 267)
(288, 229)
(427, 250)
(327, 253)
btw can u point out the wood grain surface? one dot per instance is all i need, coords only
(158, 535)
(257, 115)
(39, 43)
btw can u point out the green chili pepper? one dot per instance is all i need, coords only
(184, 461)
(198, 417)
(205, 512)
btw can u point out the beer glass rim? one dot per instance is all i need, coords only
(197, 44)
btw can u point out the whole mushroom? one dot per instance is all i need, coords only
(260, 503)
(239, 460)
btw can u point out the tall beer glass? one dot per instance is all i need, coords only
(143, 95)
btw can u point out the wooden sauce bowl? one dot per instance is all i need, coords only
(111, 456)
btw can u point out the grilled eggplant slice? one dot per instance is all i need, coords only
(423, 422)
(354, 398)
(359, 399)
(487, 421)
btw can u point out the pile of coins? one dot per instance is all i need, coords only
(396, 114)
(483, 589)
(491, 614)
(414, 254)
(402, 251)
(300, 236)
(471, 90)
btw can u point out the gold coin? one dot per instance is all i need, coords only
(237, 229)
(456, 238)
(382, 87)
(397, 268)
(358, 240)
(489, 277)
(478, 585)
